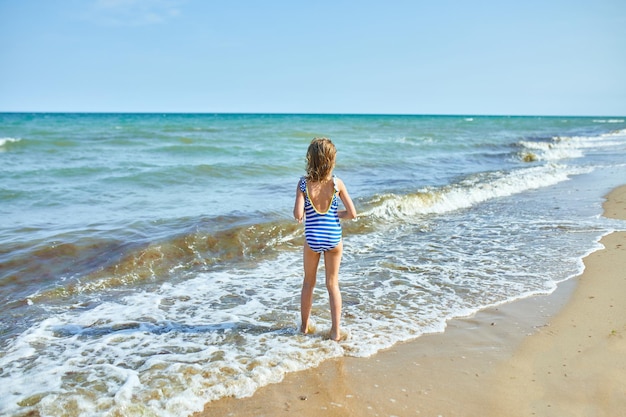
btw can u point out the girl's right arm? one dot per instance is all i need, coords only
(298, 207)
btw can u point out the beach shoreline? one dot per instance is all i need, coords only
(556, 355)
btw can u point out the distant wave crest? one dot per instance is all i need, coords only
(564, 147)
(8, 141)
(609, 121)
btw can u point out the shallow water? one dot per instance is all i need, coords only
(149, 263)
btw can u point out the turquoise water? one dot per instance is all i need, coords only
(149, 262)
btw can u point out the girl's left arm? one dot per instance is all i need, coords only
(350, 211)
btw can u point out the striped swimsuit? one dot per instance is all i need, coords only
(321, 230)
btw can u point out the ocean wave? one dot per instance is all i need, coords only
(4, 142)
(619, 132)
(553, 150)
(470, 191)
(565, 147)
(109, 266)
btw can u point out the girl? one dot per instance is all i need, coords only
(316, 202)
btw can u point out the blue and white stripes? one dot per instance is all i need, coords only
(322, 230)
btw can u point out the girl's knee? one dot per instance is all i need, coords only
(332, 285)
(308, 284)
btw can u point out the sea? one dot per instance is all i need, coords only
(150, 263)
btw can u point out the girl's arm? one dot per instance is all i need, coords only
(298, 207)
(350, 211)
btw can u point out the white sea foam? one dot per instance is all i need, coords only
(609, 121)
(551, 151)
(7, 141)
(568, 147)
(183, 336)
(472, 191)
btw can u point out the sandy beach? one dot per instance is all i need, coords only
(557, 355)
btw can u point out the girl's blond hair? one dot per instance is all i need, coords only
(320, 159)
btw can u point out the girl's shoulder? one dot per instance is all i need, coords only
(338, 183)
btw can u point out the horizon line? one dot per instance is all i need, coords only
(301, 113)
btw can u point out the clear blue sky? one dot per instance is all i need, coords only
(528, 57)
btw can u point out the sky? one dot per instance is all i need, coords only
(480, 57)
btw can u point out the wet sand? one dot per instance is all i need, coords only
(557, 355)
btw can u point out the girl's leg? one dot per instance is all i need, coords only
(311, 261)
(332, 260)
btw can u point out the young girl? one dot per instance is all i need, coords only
(316, 202)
